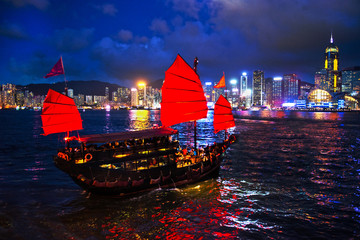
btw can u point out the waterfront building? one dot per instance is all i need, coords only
(351, 80)
(70, 93)
(107, 94)
(99, 100)
(134, 97)
(149, 97)
(114, 97)
(277, 91)
(124, 95)
(208, 89)
(8, 95)
(89, 99)
(79, 99)
(268, 91)
(29, 96)
(320, 80)
(320, 98)
(332, 67)
(157, 98)
(141, 93)
(234, 93)
(305, 89)
(291, 87)
(243, 83)
(19, 98)
(244, 91)
(258, 86)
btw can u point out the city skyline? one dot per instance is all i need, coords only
(125, 42)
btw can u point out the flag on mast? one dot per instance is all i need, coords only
(58, 69)
(221, 83)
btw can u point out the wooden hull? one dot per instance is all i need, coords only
(117, 182)
(110, 180)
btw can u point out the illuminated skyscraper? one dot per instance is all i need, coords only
(320, 80)
(124, 95)
(107, 94)
(134, 97)
(141, 93)
(89, 99)
(208, 89)
(332, 67)
(291, 90)
(71, 93)
(277, 99)
(149, 98)
(243, 83)
(258, 86)
(8, 95)
(268, 90)
(351, 80)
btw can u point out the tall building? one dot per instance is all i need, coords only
(107, 94)
(89, 99)
(134, 97)
(149, 96)
(268, 90)
(277, 91)
(320, 80)
(258, 86)
(305, 89)
(71, 93)
(8, 95)
(291, 89)
(79, 99)
(208, 91)
(243, 83)
(332, 67)
(351, 80)
(114, 97)
(157, 98)
(141, 93)
(124, 95)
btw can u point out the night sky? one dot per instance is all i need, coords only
(125, 41)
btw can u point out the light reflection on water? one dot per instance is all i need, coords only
(291, 175)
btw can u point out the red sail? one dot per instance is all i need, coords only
(58, 69)
(59, 114)
(183, 98)
(221, 83)
(223, 117)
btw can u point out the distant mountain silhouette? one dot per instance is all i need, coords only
(157, 83)
(92, 87)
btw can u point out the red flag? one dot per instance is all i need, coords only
(221, 83)
(58, 69)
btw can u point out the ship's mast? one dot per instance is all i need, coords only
(66, 87)
(196, 61)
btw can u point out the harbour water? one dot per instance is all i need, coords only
(291, 175)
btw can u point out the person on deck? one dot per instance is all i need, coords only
(184, 151)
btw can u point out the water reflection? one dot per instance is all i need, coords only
(108, 125)
(140, 119)
(322, 116)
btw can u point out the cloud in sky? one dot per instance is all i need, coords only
(125, 35)
(12, 31)
(108, 9)
(39, 4)
(277, 36)
(72, 40)
(159, 26)
(189, 7)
